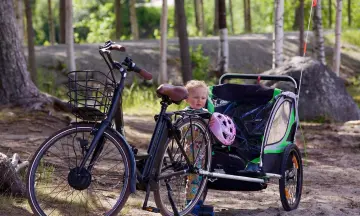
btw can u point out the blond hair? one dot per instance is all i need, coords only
(193, 84)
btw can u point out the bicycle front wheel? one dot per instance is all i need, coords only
(57, 186)
(186, 190)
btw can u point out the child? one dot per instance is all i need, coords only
(198, 94)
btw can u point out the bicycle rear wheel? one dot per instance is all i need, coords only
(56, 185)
(186, 189)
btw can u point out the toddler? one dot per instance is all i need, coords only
(198, 94)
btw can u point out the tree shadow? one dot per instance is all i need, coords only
(233, 212)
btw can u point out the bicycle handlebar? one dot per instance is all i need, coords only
(109, 45)
(117, 47)
(144, 73)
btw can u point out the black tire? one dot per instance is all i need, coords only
(290, 184)
(160, 194)
(106, 181)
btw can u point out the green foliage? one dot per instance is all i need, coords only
(149, 21)
(351, 37)
(354, 89)
(94, 20)
(200, 62)
(46, 82)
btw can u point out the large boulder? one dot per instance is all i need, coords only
(323, 95)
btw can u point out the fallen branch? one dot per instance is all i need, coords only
(10, 180)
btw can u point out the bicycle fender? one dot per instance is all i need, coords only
(132, 161)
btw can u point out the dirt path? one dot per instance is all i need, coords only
(331, 171)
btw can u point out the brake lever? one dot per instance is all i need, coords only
(128, 63)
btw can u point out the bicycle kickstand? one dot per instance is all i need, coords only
(176, 213)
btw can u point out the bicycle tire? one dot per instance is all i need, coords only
(38, 158)
(164, 208)
(291, 168)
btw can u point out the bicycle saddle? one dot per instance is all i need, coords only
(175, 93)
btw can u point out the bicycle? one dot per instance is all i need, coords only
(100, 169)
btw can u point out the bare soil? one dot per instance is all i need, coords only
(331, 157)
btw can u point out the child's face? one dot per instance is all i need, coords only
(197, 97)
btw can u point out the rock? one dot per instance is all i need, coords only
(323, 95)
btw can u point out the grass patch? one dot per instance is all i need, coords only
(349, 36)
(143, 100)
(9, 203)
(354, 89)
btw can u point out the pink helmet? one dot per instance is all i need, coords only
(223, 128)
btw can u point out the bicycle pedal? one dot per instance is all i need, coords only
(151, 209)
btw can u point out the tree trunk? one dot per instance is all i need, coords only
(69, 36)
(223, 55)
(183, 41)
(330, 13)
(279, 33)
(62, 21)
(301, 28)
(51, 24)
(118, 26)
(337, 48)
(319, 34)
(133, 21)
(10, 181)
(202, 22)
(349, 12)
(231, 17)
(19, 8)
(163, 76)
(216, 18)
(175, 23)
(16, 86)
(297, 17)
(31, 46)
(199, 16)
(247, 15)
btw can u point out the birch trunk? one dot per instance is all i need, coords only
(337, 48)
(223, 56)
(133, 21)
(51, 24)
(163, 76)
(69, 32)
(278, 34)
(319, 34)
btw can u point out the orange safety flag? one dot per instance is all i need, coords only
(314, 3)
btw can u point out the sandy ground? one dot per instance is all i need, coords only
(331, 166)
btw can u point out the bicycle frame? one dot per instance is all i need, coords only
(163, 130)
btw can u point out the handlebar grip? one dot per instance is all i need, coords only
(146, 75)
(117, 47)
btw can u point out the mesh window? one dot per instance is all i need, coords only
(280, 123)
